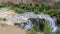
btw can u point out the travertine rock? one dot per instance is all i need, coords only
(10, 16)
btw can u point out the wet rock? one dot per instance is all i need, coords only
(39, 22)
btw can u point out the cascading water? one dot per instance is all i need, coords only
(29, 25)
(51, 21)
(23, 17)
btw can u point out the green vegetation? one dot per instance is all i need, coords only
(36, 8)
(33, 30)
(58, 30)
(0, 18)
(47, 29)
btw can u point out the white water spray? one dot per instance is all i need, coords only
(51, 21)
(23, 17)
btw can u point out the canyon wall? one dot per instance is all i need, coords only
(26, 1)
(19, 1)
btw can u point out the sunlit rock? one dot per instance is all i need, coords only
(10, 16)
(10, 22)
(4, 12)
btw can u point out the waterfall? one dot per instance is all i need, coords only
(23, 17)
(29, 25)
(51, 21)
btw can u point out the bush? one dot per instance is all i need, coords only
(18, 10)
(58, 31)
(47, 29)
(33, 30)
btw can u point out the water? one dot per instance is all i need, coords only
(51, 21)
(23, 17)
(29, 25)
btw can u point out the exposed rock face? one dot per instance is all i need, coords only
(50, 1)
(6, 12)
(19, 1)
(26, 1)
(10, 16)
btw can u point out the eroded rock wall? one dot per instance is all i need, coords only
(19, 1)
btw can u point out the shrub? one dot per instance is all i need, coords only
(47, 29)
(58, 31)
(33, 30)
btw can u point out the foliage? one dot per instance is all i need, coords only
(0, 18)
(36, 8)
(39, 7)
(18, 10)
(2, 5)
(47, 29)
(33, 30)
(51, 12)
(58, 31)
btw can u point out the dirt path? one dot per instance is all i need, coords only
(11, 30)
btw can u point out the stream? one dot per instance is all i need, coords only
(52, 21)
(24, 17)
